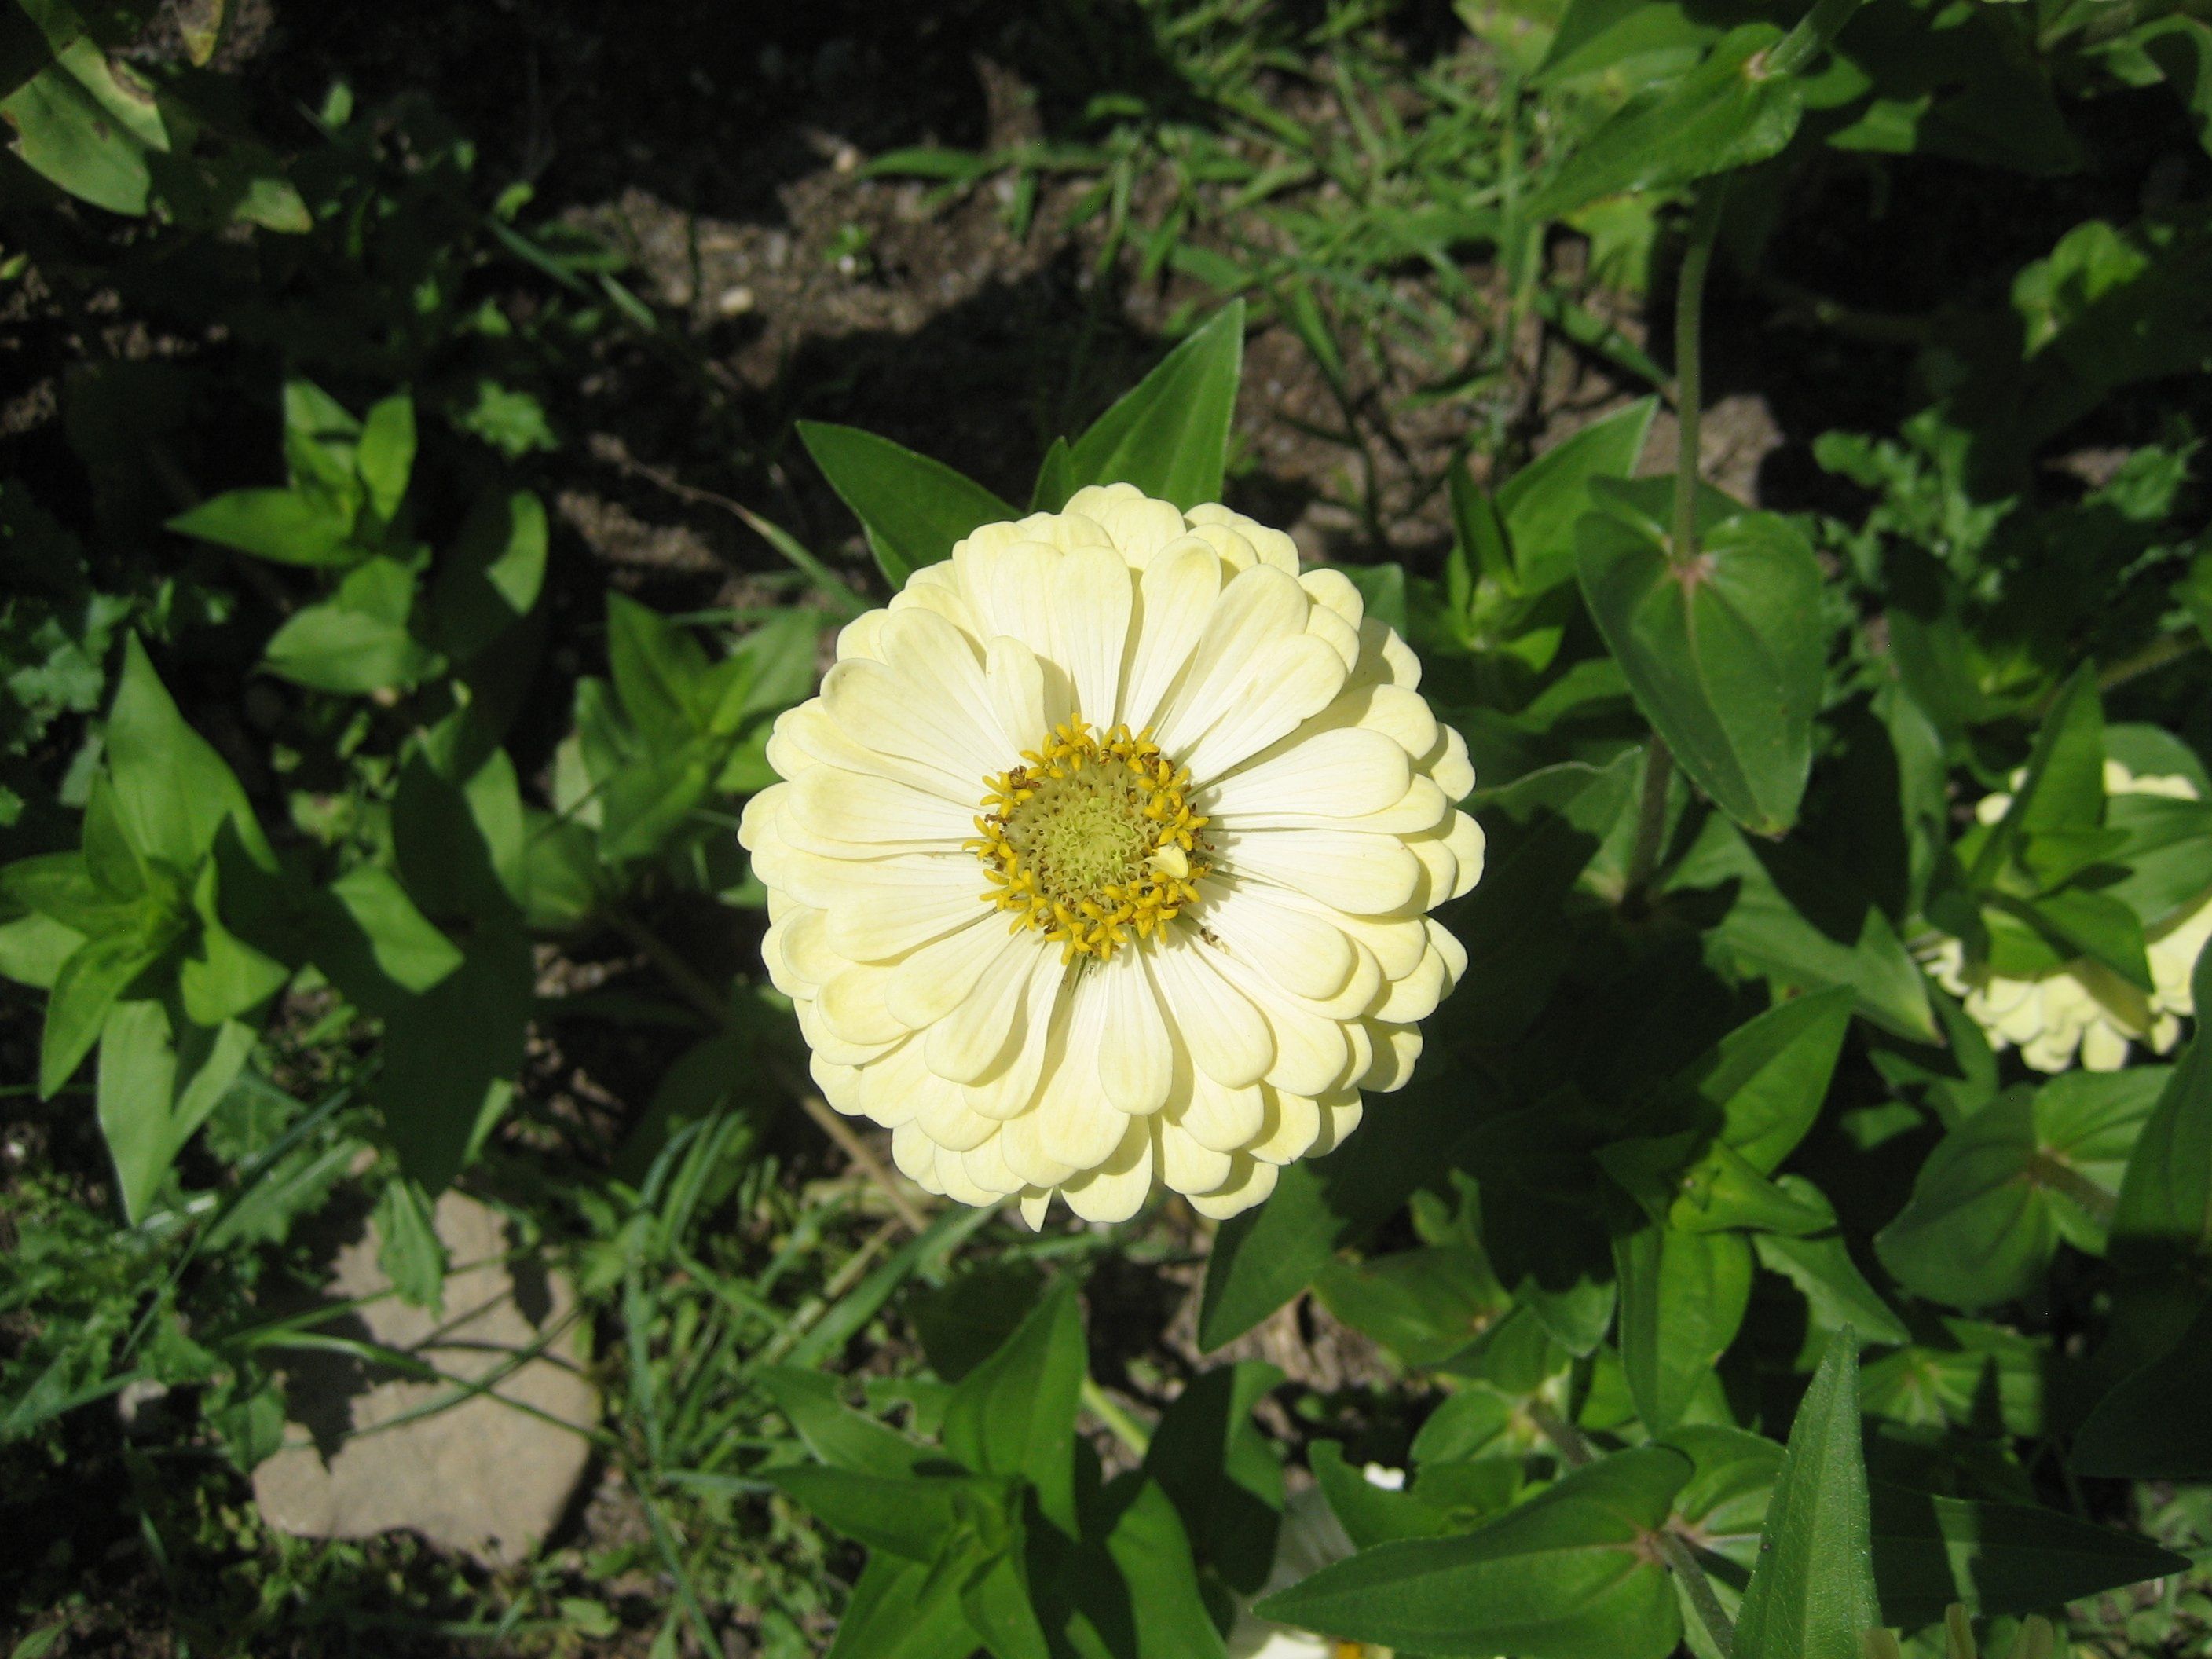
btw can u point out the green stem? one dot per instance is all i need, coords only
(1110, 1411)
(1689, 378)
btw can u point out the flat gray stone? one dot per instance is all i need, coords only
(478, 1475)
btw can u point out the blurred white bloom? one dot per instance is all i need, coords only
(1311, 1538)
(1104, 858)
(2081, 1009)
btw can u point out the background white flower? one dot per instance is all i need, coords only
(1103, 860)
(2082, 1008)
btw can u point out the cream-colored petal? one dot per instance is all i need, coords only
(1034, 1202)
(1030, 695)
(1416, 996)
(1010, 1086)
(942, 1113)
(968, 1042)
(1338, 775)
(928, 984)
(1185, 1164)
(1217, 1117)
(1311, 1051)
(1174, 597)
(1250, 1185)
(1257, 607)
(813, 730)
(1078, 1124)
(1296, 949)
(880, 922)
(1009, 587)
(1274, 548)
(955, 1182)
(1448, 763)
(1339, 1115)
(1093, 598)
(1226, 1036)
(1289, 1127)
(1385, 659)
(1467, 845)
(1332, 592)
(853, 1006)
(1135, 1055)
(2104, 1048)
(861, 639)
(1366, 875)
(881, 710)
(1396, 1050)
(1291, 680)
(914, 1154)
(1139, 526)
(986, 1166)
(1118, 1185)
(1021, 1141)
(870, 813)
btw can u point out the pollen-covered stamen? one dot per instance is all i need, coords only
(1091, 841)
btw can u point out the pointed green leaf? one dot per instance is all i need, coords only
(1169, 435)
(96, 973)
(2153, 1425)
(1541, 503)
(1682, 1301)
(834, 1432)
(1222, 1474)
(357, 641)
(1812, 1596)
(1571, 1574)
(1014, 1414)
(1166, 1615)
(386, 454)
(1768, 1077)
(1724, 656)
(914, 509)
(1996, 1559)
(284, 526)
(173, 791)
(660, 673)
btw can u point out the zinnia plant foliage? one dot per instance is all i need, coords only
(1673, 1025)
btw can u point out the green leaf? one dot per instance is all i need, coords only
(1055, 482)
(1222, 1474)
(372, 928)
(97, 972)
(357, 641)
(1724, 656)
(832, 1430)
(2062, 785)
(901, 1609)
(1965, 1373)
(155, 1091)
(1767, 1078)
(909, 1517)
(2153, 1425)
(1728, 112)
(1571, 1574)
(386, 454)
(450, 1058)
(284, 526)
(1996, 1559)
(1995, 1197)
(1166, 1616)
(65, 137)
(2161, 1227)
(660, 673)
(1371, 1514)
(1014, 1414)
(1425, 1305)
(1169, 434)
(1682, 1301)
(173, 791)
(914, 509)
(491, 577)
(409, 1250)
(1264, 1257)
(1835, 1292)
(1805, 922)
(1812, 1596)
(1541, 503)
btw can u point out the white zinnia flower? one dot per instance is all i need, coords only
(2082, 1006)
(1102, 861)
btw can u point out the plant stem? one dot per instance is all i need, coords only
(703, 996)
(1683, 1561)
(1110, 1412)
(1689, 378)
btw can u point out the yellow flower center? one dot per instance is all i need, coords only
(1091, 840)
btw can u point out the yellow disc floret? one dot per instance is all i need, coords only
(1091, 841)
